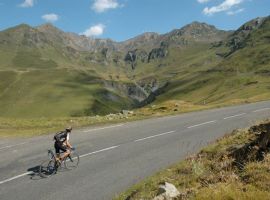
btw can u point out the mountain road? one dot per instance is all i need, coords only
(114, 157)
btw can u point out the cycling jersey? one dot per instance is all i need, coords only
(61, 136)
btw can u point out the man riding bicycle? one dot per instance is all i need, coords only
(62, 143)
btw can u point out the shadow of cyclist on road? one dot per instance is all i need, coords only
(35, 173)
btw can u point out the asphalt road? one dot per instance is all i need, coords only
(115, 157)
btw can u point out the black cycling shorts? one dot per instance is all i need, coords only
(59, 146)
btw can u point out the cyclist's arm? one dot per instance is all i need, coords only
(67, 142)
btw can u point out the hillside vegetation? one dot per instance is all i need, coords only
(45, 72)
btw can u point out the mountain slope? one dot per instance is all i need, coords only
(47, 72)
(241, 74)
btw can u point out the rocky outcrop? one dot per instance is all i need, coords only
(255, 150)
(157, 53)
(246, 28)
(238, 39)
(160, 52)
(129, 90)
(132, 57)
(142, 93)
(153, 94)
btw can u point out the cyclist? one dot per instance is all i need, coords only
(62, 143)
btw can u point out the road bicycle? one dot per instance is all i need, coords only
(52, 165)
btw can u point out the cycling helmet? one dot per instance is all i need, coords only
(69, 129)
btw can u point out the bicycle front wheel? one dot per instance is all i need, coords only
(47, 168)
(72, 161)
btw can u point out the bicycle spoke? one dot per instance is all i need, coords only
(47, 168)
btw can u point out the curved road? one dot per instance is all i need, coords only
(115, 157)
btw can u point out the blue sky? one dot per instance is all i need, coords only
(124, 19)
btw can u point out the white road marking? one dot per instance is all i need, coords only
(10, 146)
(153, 136)
(235, 115)
(15, 177)
(113, 147)
(263, 109)
(95, 152)
(202, 124)
(96, 129)
(28, 173)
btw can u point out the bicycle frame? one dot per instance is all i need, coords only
(46, 169)
(51, 154)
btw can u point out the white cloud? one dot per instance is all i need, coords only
(224, 6)
(95, 30)
(235, 12)
(103, 5)
(50, 17)
(203, 1)
(27, 4)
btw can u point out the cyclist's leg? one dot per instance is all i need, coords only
(57, 147)
(66, 152)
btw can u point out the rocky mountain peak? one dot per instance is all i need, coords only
(20, 34)
(48, 28)
(145, 36)
(198, 28)
(196, 32)
(238, 39)
(145, 40)
(20, 28)
(251, 25)
(197, 24)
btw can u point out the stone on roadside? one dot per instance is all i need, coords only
(125, 112)
(153, 106)
(167, 191)
(130, 112)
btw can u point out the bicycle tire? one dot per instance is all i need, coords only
(72, 161)
(47, 168)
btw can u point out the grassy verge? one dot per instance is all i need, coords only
(28, 127)
(234, 167)
(33, 127)
(17, 127)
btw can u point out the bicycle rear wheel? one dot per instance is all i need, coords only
(72, 161)
(47, 168)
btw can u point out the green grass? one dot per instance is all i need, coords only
(55, 93)
(32, 59)
(10, 127)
